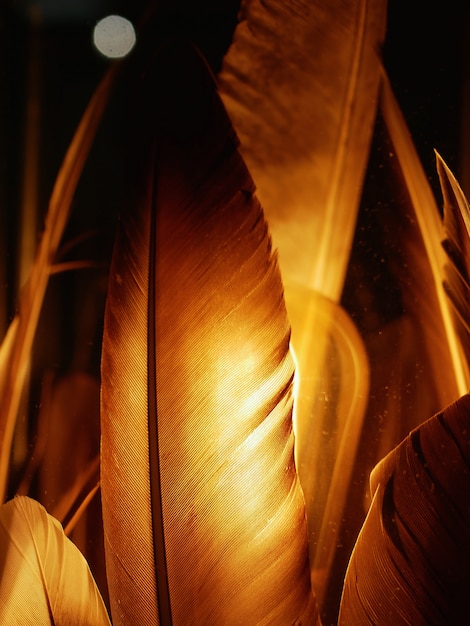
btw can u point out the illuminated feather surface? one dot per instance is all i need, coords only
(411, 562)
(45, 579)
(203, 514)
(300, 82)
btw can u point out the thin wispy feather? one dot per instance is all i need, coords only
(332, 403)
(14, 369)
(203, 513)
(447, 362)
(45, 579)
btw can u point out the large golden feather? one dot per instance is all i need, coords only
(203, 514)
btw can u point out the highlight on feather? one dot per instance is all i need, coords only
(411, 561)
(45, 579)
(203, 513)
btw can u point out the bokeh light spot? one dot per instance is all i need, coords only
(114, 36)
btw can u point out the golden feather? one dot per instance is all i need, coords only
(300, 82)
(203, 513)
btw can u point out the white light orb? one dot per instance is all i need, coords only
(114, 36)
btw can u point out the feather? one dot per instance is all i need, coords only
(203, 514)
(334, 405)
(300, 83)
(451, 377)
(45, 579)
(457, 247)
(410, 565)
(12, 377)
(6, 349)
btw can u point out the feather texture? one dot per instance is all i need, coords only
(300, 82)
(410, 565)
(45, 579)
(203, 514)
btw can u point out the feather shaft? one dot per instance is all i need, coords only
(163, 592)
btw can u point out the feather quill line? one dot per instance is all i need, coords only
(161, 570)
(330, 229)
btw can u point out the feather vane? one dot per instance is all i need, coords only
(203, 513)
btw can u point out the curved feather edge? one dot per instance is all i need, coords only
(45, 579)
(457, 247)
(410, 564)
(203, 514)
